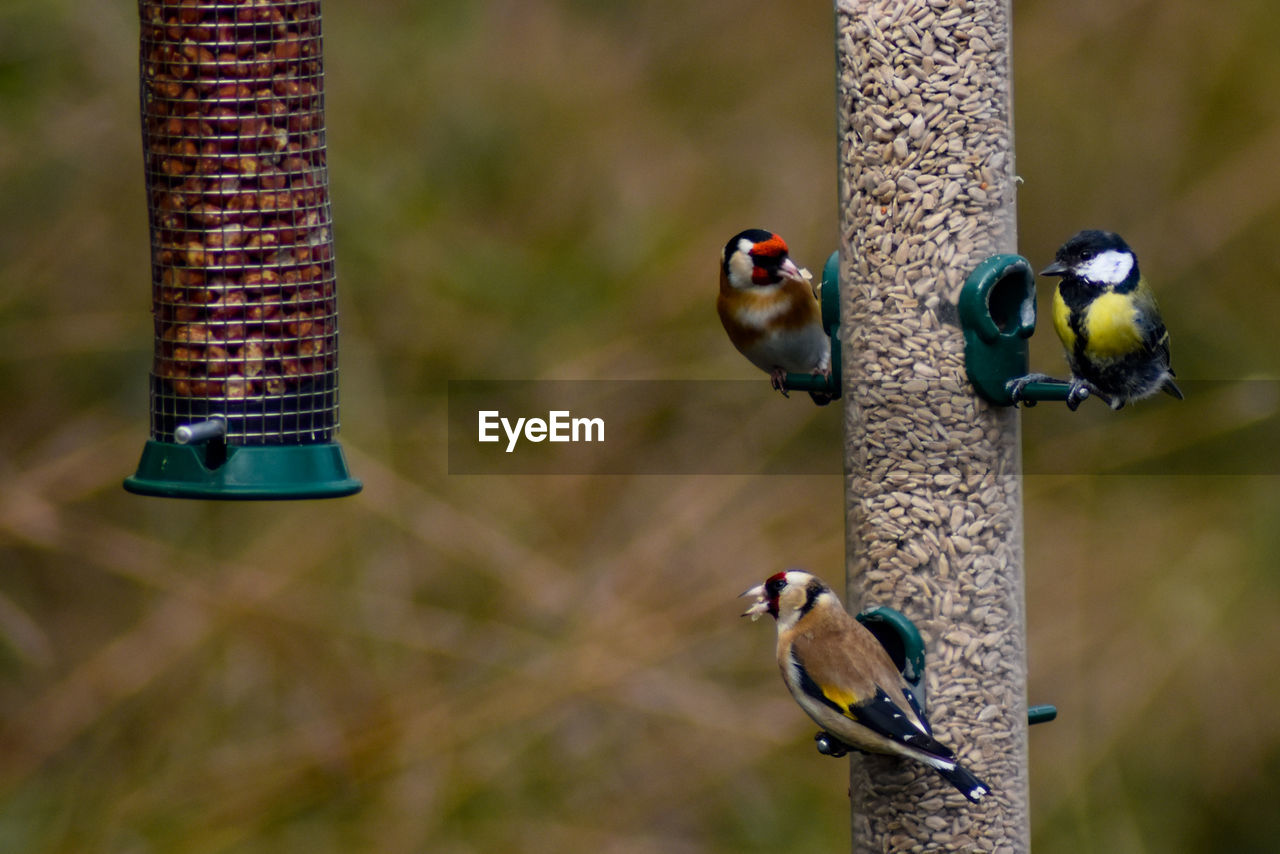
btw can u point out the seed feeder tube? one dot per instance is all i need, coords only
(932, 470)
(244, 378)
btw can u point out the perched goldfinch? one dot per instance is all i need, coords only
(1106, 316)
(843, 678)
(770, 309)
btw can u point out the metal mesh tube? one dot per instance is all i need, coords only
(933, 497)
(243, 289)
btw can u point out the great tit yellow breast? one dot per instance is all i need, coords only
(1111, 326)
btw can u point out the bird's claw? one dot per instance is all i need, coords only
(1079, 392)
(776, 378)
(1018, 385)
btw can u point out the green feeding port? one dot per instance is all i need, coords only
(244, 376)
(901, 639)
(829, 291)
(998, 314)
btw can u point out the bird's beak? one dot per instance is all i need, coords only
(788, 270)
(1057, 268)
(759, 607)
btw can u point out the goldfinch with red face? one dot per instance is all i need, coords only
(770, 310)
(1106, 316)
(843, 678)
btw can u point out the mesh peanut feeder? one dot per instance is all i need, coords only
(244, 382)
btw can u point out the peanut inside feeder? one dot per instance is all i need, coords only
(243, 289)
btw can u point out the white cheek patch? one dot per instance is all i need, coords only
(740, 266)
(1110, 268)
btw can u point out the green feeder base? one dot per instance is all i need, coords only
(242, 472)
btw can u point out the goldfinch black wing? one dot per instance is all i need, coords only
(864, 701)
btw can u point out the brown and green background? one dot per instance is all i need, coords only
(538, 190)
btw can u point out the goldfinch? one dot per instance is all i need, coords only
(843, 678)
(1106, 317)
(770, 309)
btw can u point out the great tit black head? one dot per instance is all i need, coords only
(1094, 256)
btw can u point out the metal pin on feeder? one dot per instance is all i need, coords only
(244, 381)
(201, 431)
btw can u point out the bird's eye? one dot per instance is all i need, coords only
(774, 586)
(766, 267)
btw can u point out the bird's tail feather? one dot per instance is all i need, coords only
(969, 785)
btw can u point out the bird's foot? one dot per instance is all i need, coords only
(829, 745)
(776, 377)
(1018, 385)
(1082, 390)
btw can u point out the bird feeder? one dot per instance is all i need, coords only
(933, 492)
(244, 379)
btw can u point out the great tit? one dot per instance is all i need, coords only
(1106, 316)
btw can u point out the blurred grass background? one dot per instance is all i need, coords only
(539, 189)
